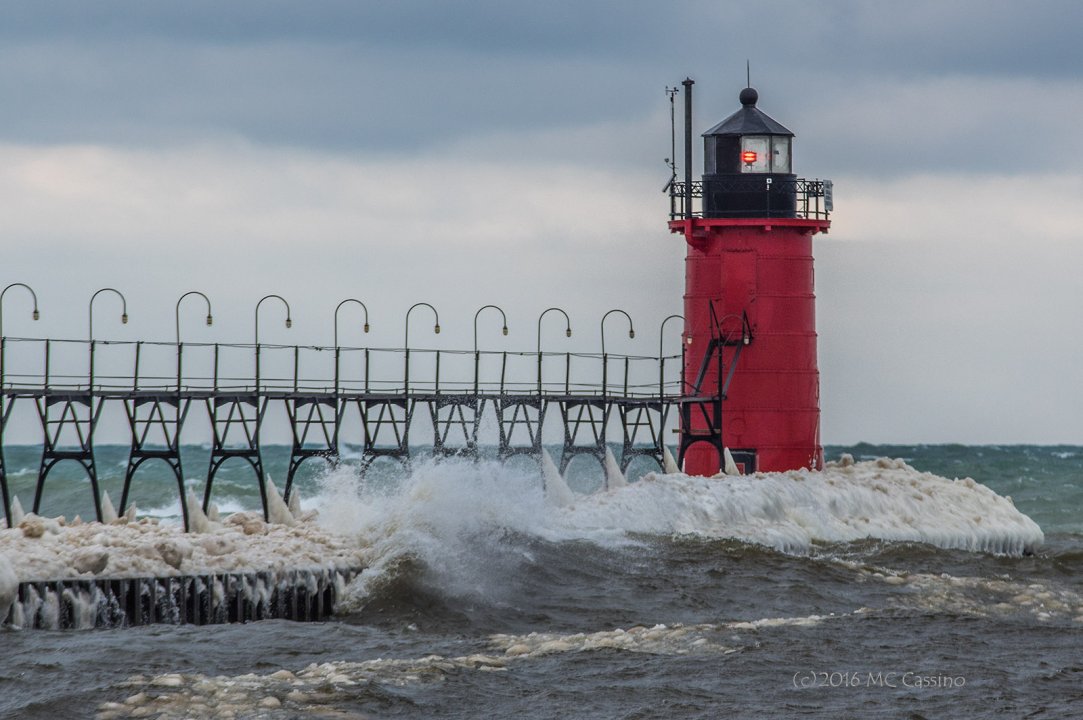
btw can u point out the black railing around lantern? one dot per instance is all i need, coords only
(752, 197)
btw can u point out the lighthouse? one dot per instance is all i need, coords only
(751, 384)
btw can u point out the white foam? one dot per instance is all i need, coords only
(454, 515)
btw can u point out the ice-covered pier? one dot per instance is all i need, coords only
(204, 599)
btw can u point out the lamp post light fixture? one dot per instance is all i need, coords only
(494, 307)
(365, 327)
(210, 317)
(35, 315)
(90, 310)
(339, 307)
(477, 355)
(567, 333)
(661, 333)
(406, 341)
(289, 320)
(662, 360)
(631, 329)
(289, 324)
(435, 329)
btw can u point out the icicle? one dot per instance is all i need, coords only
(557, 492)
(109, 513)
(613, 475)
(277, 510)
(295, 504)
(17, 513)
(197, 521)
(129, 514)
(669, 463)
(730, 466)
(9, 587)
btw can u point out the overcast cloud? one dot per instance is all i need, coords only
(511, 153)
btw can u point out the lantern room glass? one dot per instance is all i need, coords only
(755, 155)
(780, 155)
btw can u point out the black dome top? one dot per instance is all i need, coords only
(749, 120)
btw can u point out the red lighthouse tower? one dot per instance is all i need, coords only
(751, 383)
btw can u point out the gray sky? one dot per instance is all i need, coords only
(511, 153)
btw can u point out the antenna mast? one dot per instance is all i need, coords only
(671, 161)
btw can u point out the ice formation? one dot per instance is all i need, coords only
(614, 476)
(884, 499)
(49, 549)
(557, 491)
(438, 513)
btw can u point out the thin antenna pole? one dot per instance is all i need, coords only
(748, 73)
(688, 83)
(672, 92)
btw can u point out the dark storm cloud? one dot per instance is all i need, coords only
(388, 77)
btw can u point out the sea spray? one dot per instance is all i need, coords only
(465, 525)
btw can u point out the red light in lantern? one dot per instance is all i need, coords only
(748, 157)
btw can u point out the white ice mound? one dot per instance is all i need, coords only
(883, 499)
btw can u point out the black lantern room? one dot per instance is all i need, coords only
(747, 169)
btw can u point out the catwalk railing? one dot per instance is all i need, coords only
(599, 399)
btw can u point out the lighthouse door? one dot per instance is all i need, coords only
(738, 291)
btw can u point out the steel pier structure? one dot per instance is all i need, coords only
(390, 403)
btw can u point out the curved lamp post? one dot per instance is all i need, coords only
(662, 361)
(210, 318)
(567, 333)
(210, 321)
(337, 351)
(289, 324)
(483, 307)
(339, 307)
(477, 356)
(90, 310)
(406, 337)
(90, 325)
(35, 315)
(631, 329)
(605, 360)
(662, 330)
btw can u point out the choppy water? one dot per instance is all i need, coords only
(524, 612)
